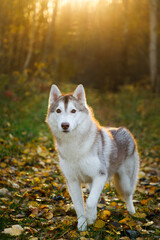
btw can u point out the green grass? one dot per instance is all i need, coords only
(23, 131)
(22, 121)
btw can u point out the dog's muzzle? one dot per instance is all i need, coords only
(65, 126)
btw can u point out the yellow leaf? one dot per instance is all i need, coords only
(51, 228)
(139, 215)
(107, 185)
(33, 238)
(2, 140)
(144, 201)
(15, 230)
(73, 234)
(131, 224)
(141, 174)
(15, 161)
(113, 204)
(33, 204)
(124, 238)
(3, 165)
(99, 224)
(66, 222)
(49, 215)
(105, 214)
(32, 215)
(26, 194)
(83, 234)
(83, 238)
(125, 220)
(152, 190)
(36, 180)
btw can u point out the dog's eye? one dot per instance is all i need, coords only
(58, 110)
(73, 111)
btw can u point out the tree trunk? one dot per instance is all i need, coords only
(153, 46)
(31, 41)
(50, 35)
(125, 41)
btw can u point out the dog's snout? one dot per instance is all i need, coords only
(65, 125)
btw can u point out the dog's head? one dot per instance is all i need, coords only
(66, 112)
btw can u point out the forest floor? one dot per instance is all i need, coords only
(33, 193)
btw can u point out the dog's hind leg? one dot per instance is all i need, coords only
(126, 179)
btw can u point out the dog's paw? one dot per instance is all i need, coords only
(132, 211)
(91, 215)
(130, 206)
(82, 224)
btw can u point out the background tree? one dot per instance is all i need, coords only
(102, 43)
(49, 42)
(153, 46)
(31, 39)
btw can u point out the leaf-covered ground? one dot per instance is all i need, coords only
(33, 194)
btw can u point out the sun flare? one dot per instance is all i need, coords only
(63, 2)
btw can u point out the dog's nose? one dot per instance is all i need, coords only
(65, 125)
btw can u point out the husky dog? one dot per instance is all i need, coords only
(90, 153)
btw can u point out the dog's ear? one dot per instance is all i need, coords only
(79, 93)
(54, 94)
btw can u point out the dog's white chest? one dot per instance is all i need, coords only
(83, 168)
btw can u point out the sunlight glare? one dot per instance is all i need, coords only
(64, 2)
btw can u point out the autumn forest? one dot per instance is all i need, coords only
(103, 44)
(112, 47)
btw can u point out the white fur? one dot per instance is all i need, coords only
(80, 162)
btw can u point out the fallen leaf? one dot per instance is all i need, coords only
(125, 220)
(99, 224)
(3, 165)
(33, 238)
(83, 234)
(36, 180)
(73, 234)
(139, 215)
(84, 238)
(113, 204)
(3, 191)
(148, 224)
(49, 215)
(142, 174)
(15, 230)
(107, 185)
(105, 214)
(101, 205)
(151, 190)
(14, 185)
(33, 204)
(144, 201)
(35, 211)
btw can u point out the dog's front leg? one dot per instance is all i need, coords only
(91, 204)
(75, 191)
